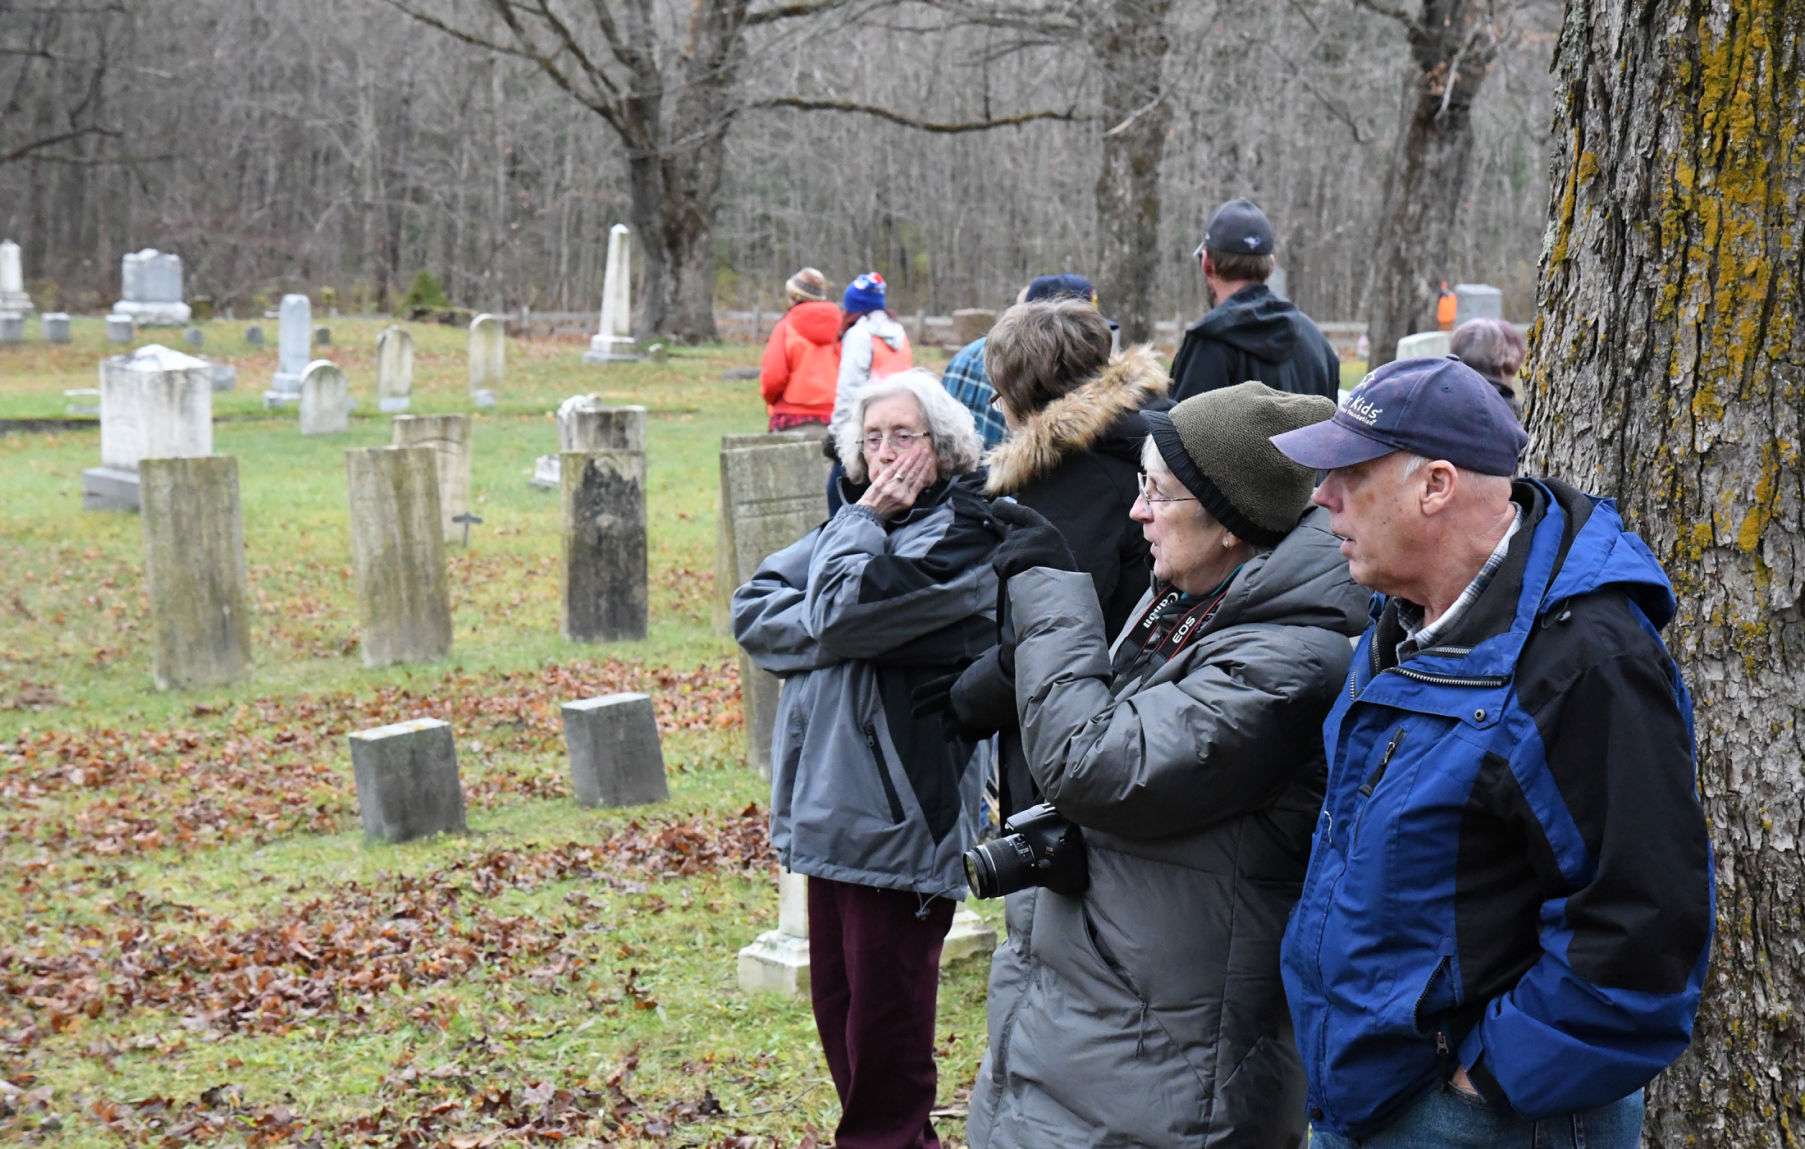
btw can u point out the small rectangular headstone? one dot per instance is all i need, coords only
(488, 354)
(224, 376)
(398, 553)
(253, 335)
(194, 571)
(1425, 345)
(56, 327)
(615, 755)
(407, 781)
(1477, 301)
(12, 327)
(449, 437)
(603, 495)
(394, 369)
(322, 337)
(193, 337)
(325, 399)
(121, 328)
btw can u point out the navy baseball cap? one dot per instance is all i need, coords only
(1436, 408)
(1067, 286)
(1238, 227)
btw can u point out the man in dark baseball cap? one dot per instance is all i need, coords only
(1511, 758)
(1249, 333)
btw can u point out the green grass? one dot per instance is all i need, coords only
(189, 903)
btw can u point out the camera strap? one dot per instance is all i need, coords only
(1150, 635)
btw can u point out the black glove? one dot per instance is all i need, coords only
(1031, 541)
(935, 697)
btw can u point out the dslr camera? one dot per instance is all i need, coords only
(1038, 848)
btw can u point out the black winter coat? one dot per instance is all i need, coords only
(1253, 334)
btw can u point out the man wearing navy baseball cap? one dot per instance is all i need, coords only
(1249, 333)
(1505, 928)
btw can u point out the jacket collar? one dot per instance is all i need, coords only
(1076, 421)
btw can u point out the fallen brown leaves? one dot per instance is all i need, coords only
(278, 765)
(338, 951)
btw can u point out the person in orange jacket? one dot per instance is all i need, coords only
(801, 367)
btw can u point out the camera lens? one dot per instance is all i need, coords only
(999, 867)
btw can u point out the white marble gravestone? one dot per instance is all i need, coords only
(152, 289)
(1477, 301)
(614, 342)
(294, 332)
(155, 403)
(12, 281)
(1425, 345)
(325, 399)
(488, 354)
(394, 369)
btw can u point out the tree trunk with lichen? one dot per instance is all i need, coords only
(1668, 370)
(1452, 46)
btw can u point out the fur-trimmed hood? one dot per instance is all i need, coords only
(1106, 407)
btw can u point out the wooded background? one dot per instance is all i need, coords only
(347, 143)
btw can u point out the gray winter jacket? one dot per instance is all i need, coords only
(1149, 1011)
(854, 616)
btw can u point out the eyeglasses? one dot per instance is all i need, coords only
(1150, 493)
(901, 440)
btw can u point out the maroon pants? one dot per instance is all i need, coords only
(874, 973)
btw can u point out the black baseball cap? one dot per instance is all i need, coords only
(1436, 408)
(1238, 227)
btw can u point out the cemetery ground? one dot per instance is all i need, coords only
(198, 944)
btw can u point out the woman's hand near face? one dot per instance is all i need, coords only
(895, 488)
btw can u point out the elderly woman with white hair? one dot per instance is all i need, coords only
(894, 590)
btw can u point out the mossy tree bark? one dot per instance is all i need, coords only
(1669, 371)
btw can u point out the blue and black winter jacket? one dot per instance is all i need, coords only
(1511, 871)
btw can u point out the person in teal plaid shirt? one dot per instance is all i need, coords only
(964, 377)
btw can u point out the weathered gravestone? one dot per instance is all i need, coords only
(394, 369)
(12, 328)
(151, 287)
(1477, 301)
(603, 499)
(155, 403)
(398, 550)
(325, 399)
(292, 352)
(322, 337)
(56, 326)
(778, 961)
(407, 781)
(615, 756)
(12, 281)
(193, 337)
(224, 376)
(971, 323)
(449, 438)
(587, 423)
(253, 336)
(194, 571)
(121, 328)
(613, 343)
(488, 357)
(773, 491)
(1425, 345)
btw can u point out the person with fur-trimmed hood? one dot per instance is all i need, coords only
(1076, 422)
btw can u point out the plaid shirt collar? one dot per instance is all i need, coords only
(1419, 637)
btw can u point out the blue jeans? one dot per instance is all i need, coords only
(1450, 1119)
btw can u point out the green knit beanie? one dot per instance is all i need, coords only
(1219, 445)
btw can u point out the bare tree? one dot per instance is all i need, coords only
(1669, 371)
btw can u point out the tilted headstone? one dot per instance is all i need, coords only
(773, 491)
(613, 343)
(56, 327)
(155, 403)
(293, 322)
(121, 328)
(12, 281)
(603, 500)
(193, 337)
(488, 354)
(615, 756)
(12, 328)
(1477, 301)
(325, 399)
(253, 335)
(398, 552)
(151, 283)
(394, 369)
(407, 781)
(449, 438)
(194, 571)
(1425, 345)
(971, 323)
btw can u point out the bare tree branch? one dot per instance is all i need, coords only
(895, 117)
(1387, 11)
(794, 8)
(24, 150)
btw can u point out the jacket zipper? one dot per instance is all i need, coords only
(1372, 783)
(1416, 1011)
(883, 773)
